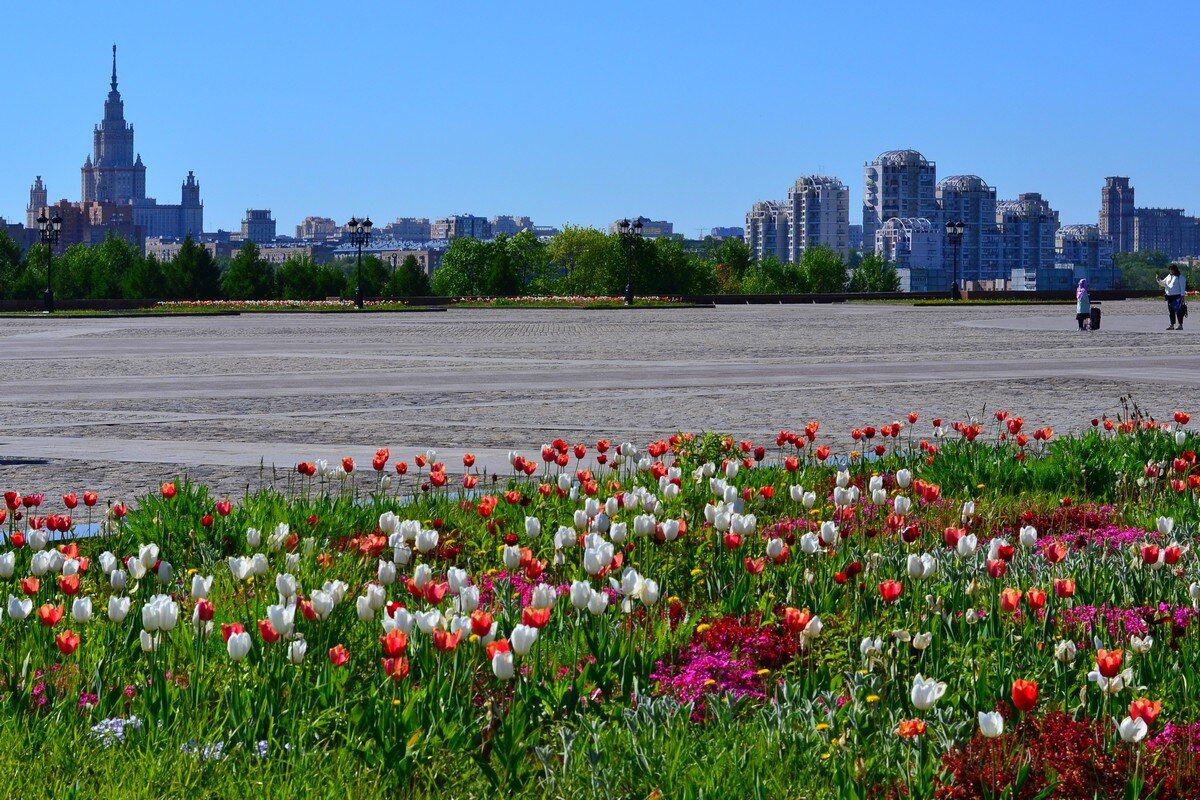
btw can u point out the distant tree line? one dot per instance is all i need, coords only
(116, 269)
(578, 261)
(1139, 270)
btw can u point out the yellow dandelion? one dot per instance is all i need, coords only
(872, 698)
(702, 627)
(825, 756)
(710, 682)
(822, 726)
(396, 702)
(762, 672)
(979, 486)
(697, 572)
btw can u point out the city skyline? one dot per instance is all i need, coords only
(311, 139)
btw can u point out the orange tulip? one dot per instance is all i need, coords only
(1010, 600)
(395, 668)
(1144, 709)
(338, 655)
(66, 642)
(49, 615)
(1108, 662)
(394, 642)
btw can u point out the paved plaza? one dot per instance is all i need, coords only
(119, 405)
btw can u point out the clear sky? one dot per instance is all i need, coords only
(581, 112)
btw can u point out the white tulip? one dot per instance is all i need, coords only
(903, 478)
(966, 545)
(533, 527)
(37, 540)
(774, 548)
(108, 562)
(796, 492)
(522, 638)
(902, 505)
(285, 584)
(389, 523)
(731, 469)
(238, 645)
(81, 609)
(829, 533)
(842, 479)
(810, 543)
(402, 554)
(322, 603)
(502, 665)
(457, 579)
(149, 643)
(427, 540)
(810, 499)
(253, 538)
(1065, 651)
(581, 593)
(240, 566)
(468, 599)
(926, 692)
(1139, 645)
(148, 555)
(1132, 730)
(259, 564)
(597, 603)
(512, 557)
(875, 483)
(386, 572)
(428, 621)
(580, 519)
(870, 647)
(118, 609)
(649, 594)
(922, 640)
(879, 496)
(39, 565)
(543, 596)
(1028, 536)
(296, 650)
(70, 566)
(376, 596)
(201, 586)
(670, 529)
(19, 608)
(160, 613)
(422, 575)
(1166, 525)
(282, 619)
(991, 724)
(278, 536)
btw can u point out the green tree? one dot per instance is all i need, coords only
(731, 252)
(375, 276)
(532, 262)
(874, 274)
(146, 280)
(299, 278)
(1139, 270)
(772, 276)
(825, 270)
(249, 276)
(587, 261)
(193, 273)
(463, 269)
(10, 265)
(409, 280)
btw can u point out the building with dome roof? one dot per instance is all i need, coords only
(915, 247)
(969, 199)
(113, 188)
(898, 183)
(816, 213)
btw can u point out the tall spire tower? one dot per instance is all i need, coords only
(113, 172)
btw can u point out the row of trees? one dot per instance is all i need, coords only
(585, 261)
(579, 261)
(1141, 270)
(116, 269)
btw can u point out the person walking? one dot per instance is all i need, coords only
(1175, 287)
(1083, 304)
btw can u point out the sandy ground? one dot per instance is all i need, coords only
(120, 405)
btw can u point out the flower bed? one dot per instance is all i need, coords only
(976, 611)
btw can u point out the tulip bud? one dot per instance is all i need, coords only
(117, 579)
(502, 665)
(386, 572)
(533, 527)
(238, 646)
(81, 609)
(296, 650)
(253, 538)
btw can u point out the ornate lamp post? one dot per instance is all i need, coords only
(954, 232)
(629, 234)
(48, 231)
(360, 235)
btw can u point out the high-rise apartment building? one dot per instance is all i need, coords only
(509, 226)
(1166, 230)
(767, 230)
(899, 183)
(1027, 228)
(1117, 213)
(1088, 251)
(461, 226)
(818, 209)
(408, 229)
(915, 246)
(969, 200)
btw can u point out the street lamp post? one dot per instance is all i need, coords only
(954, 232)
(48, 231)
(360, 235)
(392, 288)
(629, 234)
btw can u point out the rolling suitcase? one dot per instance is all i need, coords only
(1095, 318)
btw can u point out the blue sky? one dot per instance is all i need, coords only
(583, 112)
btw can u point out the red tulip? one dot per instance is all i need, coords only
(497, 646)
(119, 509)
(49, 615)
(207, 520)
(347, 465)
(205, 609)
(68, 584)
(481, 622)
(1144, 709)
(1150, 553)
(401, 467)
(70, 500)
(267, 631)
(754, 565)
(12, 500)
(890, 590)
(168, 490)
(30, 586)
(732, 540)
(1056, 552)
(1064, 587)
(1010, 600)
(394, 642)
(1183, 419)
(1024, 694)
(1108, 662)
(90, 499)
(66, 642)
(996, 568)
(394, 668)
(224, 507)
(1035, 598)
(795, 620)
(228, 628)
(339, 655)
(535, 617)
(446, 641)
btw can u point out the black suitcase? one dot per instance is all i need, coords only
(1095, 318)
